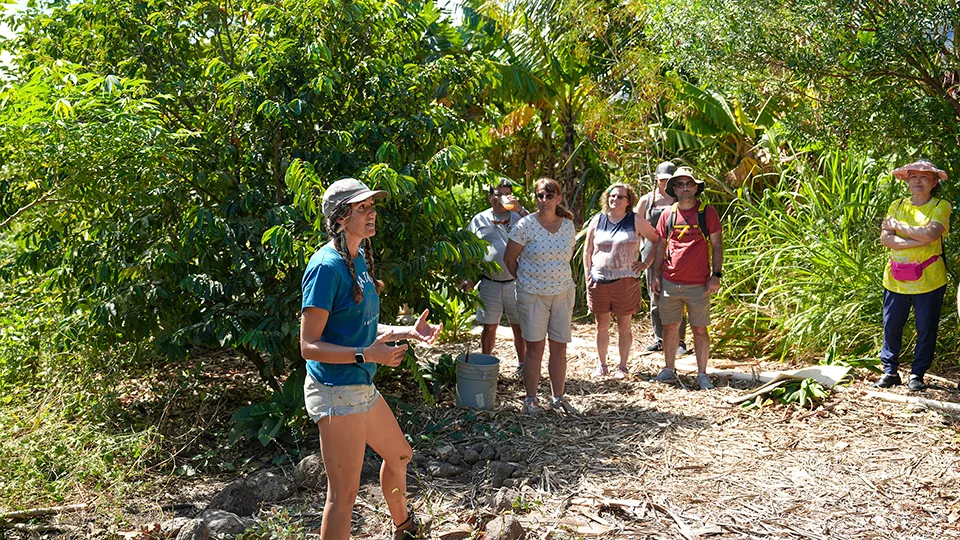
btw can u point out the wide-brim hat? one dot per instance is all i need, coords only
(683, 172)
(347, 191)
(920, 165)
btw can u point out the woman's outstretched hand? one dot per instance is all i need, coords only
(381, 353)
(425, 331)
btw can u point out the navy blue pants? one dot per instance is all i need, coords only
(926, 309)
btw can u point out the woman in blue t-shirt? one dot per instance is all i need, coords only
(342, 341)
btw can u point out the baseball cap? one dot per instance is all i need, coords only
(347, 191)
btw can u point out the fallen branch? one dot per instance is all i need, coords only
(682, 525)
(928, 403)
(34, 512)
(38, 528)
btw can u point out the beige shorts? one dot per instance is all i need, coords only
(544, 315)
(674, 297)
(322, 401)
(497, 298)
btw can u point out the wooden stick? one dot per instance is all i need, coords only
(682, 525)
(34, 512)
(928, 403)
(37, 528)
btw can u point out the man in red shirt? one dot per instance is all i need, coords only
(688, 265)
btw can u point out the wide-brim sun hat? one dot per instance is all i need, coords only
(920, 165)
(347, 191)
(683, 172)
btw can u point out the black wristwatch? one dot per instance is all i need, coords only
(718, 275)
(358, 356)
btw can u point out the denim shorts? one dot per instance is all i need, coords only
(322, 400)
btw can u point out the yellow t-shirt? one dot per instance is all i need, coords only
(935, 275)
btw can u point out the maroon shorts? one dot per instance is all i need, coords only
(622, 297)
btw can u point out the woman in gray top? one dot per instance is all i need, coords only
(650, 207)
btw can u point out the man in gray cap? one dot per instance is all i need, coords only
(650, 207)
(688, 265)
(498, 292)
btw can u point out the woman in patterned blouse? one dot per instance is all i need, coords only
(538, 254)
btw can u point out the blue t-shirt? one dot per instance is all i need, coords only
(327, 285)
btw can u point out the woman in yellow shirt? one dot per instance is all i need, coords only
(916, 274)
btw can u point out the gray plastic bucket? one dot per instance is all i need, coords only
(477, 380)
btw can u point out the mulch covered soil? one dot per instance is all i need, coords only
(648, 460)
(643, 460)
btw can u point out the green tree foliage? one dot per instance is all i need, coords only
(881, 74)
(163, 162)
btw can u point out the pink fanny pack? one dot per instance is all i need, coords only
(910, 271)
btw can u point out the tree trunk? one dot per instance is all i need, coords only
(570, 178)
(265, 374)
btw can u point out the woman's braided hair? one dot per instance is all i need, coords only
(339, 236)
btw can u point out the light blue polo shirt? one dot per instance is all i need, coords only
(327, 285)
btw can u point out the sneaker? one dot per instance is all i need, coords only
(409, 529)
(682, 349)
(530, 407)
(888, 380)
(520, 372)
(704, 381)
(915, 382)
(561, 404)
(666, 375)
(656, 346)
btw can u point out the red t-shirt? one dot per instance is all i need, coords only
(687, 260)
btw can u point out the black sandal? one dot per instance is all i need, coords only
(409, 529)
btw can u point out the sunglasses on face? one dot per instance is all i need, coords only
(546, 196)
(684, 184)
(618, 197)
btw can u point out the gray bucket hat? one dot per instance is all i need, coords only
(683, 172)
(347, 191)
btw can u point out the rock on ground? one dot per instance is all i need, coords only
(505, 527)
(223, 523)
(271, 487)
(440, 469)
(195, 529)
(309, 472)
(500, 471)
(503, 499)
(237, 498)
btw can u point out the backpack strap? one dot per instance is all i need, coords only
(702, 223)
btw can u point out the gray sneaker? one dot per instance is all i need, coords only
(561, 404)
(666, 375)
(530, 407)
(704, 381)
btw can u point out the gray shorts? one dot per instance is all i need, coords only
(322, 401)
(543, 315)
(674, 297)
(495, 300)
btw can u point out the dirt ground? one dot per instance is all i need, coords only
(647, 460)
(643, 460)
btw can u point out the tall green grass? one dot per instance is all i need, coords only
(803, 269)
